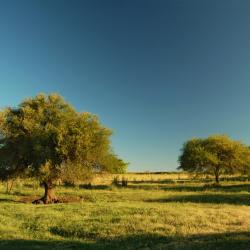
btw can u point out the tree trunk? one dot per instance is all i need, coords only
(217, 179)
(49, 194)
(217, 173)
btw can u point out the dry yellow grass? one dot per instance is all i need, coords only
(106, 179)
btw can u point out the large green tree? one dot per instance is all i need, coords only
(217, 154)
(47, 138)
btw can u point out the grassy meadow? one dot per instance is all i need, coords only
(155, 211)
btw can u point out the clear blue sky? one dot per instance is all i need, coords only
(156, 72)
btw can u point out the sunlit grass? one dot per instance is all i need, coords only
(151, 216)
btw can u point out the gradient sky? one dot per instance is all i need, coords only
(156, 72)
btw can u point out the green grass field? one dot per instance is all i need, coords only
(145, 215)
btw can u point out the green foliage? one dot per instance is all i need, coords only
(74, 172)
(216, 154)
(113, 164)
(47, 138)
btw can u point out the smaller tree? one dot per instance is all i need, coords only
(216, 155)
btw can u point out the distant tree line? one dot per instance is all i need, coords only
(46, 138)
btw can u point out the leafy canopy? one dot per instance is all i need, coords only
(44, 134)
(216, 154)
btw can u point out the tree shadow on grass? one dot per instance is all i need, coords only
(8, 201)
(227, 241)
(194, 188)
(95, 187)
(234, 199)
(164, 181)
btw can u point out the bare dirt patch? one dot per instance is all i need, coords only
(61, 199)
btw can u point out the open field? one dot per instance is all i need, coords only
(148, 214)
